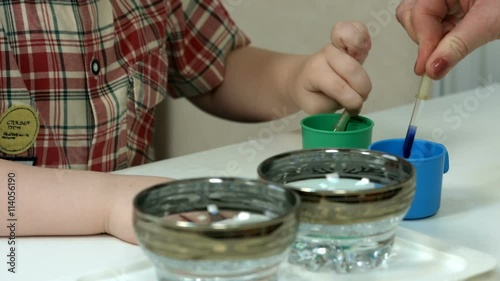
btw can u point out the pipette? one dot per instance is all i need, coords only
(423, 94)
(342, 123)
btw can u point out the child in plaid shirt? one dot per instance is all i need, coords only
(93, 72)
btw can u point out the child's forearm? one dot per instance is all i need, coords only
(255, 86)
(65, 202)
(261, 85)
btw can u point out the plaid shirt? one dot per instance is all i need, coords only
(95, 69)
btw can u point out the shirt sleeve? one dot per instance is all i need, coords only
(200, 36)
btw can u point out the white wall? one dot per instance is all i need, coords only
(297, 26)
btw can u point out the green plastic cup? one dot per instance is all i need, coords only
(317, 132)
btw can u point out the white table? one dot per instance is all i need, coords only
(466, 123)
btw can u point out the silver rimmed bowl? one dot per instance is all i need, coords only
(352, 202)
(222, 229)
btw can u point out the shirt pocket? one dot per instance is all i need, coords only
(149, 78)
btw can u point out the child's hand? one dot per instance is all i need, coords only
(353, 38)
(334, 77)
(120, 192)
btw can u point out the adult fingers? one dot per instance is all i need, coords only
(403, 15)
(479, 26)
(426, 19)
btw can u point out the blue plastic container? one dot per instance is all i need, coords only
(431, 161)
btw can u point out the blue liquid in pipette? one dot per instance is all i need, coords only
(410, 137)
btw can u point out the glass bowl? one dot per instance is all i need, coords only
(352, 202)
(216, 229)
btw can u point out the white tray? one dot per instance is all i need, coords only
(415, 257)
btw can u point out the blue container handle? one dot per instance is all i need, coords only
(446, 159)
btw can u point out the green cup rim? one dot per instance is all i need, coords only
(366, 120)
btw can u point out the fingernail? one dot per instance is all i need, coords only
(439, 67)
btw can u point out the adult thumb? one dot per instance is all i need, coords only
(469, 34)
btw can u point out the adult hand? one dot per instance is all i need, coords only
(334, 77)
(448, 30)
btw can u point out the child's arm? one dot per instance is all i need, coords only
(65, 202)
(258, 83)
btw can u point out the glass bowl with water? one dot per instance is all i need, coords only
(216, 229)
(352, 202)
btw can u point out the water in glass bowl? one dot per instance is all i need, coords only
(171, 269)
(356, 247)
(168, 269)
(334, 182)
